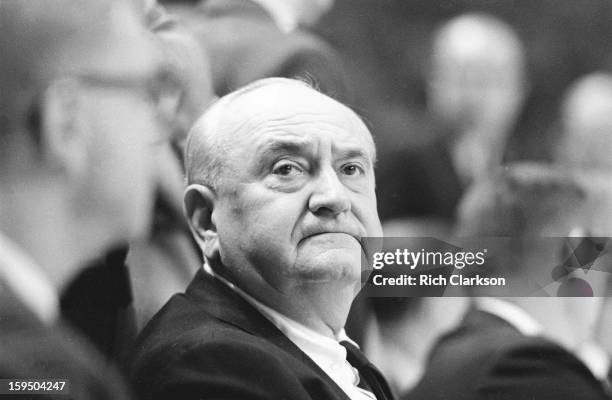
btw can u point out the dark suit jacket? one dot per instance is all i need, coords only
(418, 181)
(98, 303)
(244, 44)
(487, 358)
(209, 343)
(30, 350)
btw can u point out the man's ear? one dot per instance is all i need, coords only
(64, 133)
(199, 203)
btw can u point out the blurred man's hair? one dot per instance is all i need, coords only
(42, 40)
(479, 36)
(532, 207)
(524, 199)
(586, 122)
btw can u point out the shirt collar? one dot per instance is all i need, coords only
(277, 318)
(595, 358)
(512, 314)
(283, 15)
(26, 280)
(591, 354)
(326, 352)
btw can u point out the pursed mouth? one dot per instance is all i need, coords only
(356, 237)
(330, 233)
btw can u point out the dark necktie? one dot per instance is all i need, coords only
(370, 374)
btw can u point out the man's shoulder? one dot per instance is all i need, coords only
(497, 362)
(187, 352)
(31, 350)
(183, 325)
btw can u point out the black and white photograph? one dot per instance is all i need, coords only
(306, 199)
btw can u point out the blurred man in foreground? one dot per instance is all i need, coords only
(281, 190)
(399, 332)
(77, 127)
(108, 301)
(527, 347)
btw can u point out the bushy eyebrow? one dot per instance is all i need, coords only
(302, 146)
(354, 152)
(282, 145)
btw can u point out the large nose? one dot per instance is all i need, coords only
(329, 195)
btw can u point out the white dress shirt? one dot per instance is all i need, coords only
(24, 277)
(591, 354)
(326, 352)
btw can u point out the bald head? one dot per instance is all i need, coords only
(79, 117)
(586, 117)
(478, 38)
(477, 71)
(241, 113)
(524, 199)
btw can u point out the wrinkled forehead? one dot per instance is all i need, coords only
(295, 108)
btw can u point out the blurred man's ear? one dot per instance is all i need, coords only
(64, 134)
(199, 203)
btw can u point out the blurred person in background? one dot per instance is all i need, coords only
(604, 329)
(164, 263)
(476, 85)
(476, 88)
(79, 97)
(526, 347)
(251, 39)
(401, 332)
(586, 143)
(398, 333)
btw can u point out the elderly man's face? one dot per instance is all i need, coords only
(298, 191)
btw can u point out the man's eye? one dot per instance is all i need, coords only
(352, 170)
(287, 169)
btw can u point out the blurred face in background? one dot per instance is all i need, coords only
(120, 111)
(477, 72)
(476, 87)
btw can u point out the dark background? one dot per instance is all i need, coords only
(386, 45)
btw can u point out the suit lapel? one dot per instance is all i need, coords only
(223, 303)
(14, 315)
